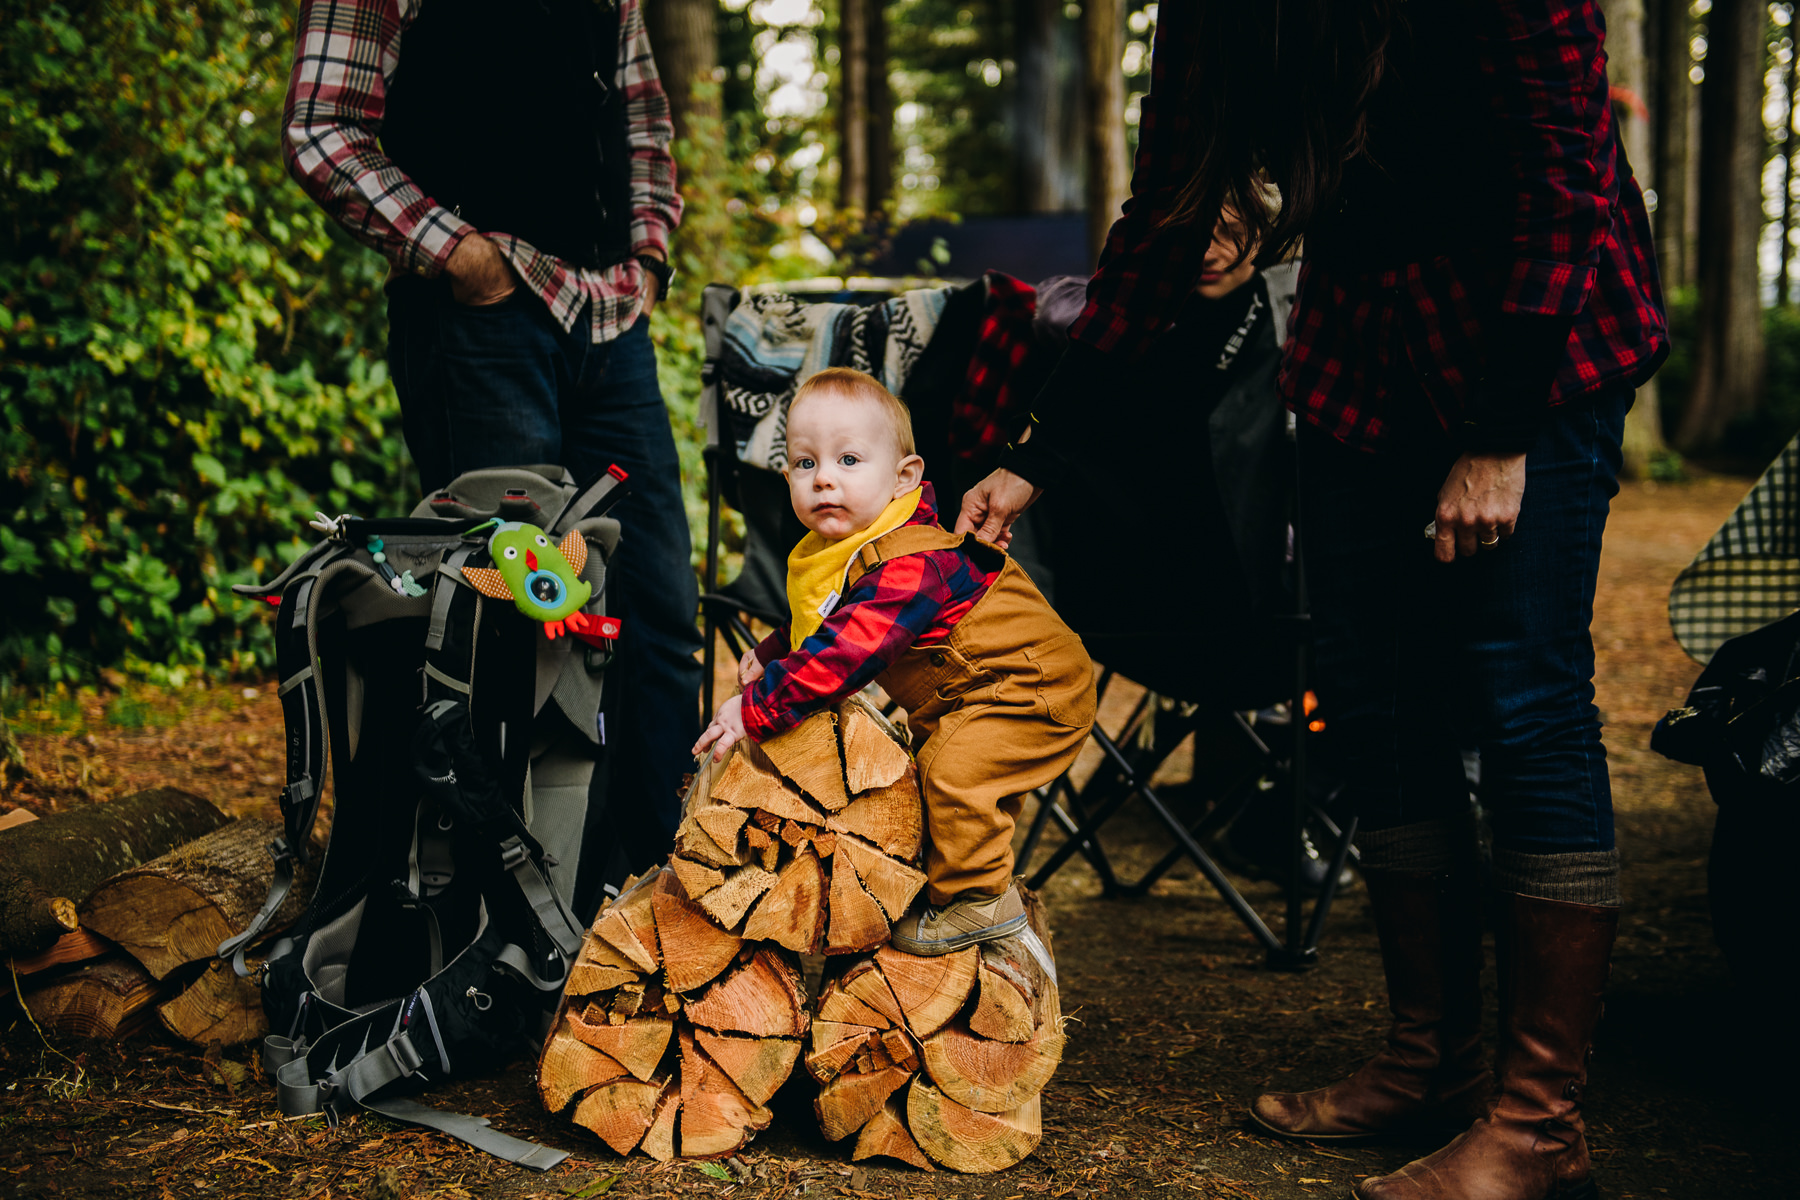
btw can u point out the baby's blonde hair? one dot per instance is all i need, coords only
(848, 382)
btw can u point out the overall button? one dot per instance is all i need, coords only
(939, 658)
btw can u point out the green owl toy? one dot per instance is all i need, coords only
(543, 580)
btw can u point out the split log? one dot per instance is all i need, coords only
(965, 1140)
(875, 756)
(697, 879)
(890, 881)
(637, 1045)
(748, 784)
(48, 867)
(108, 998)
(620, 1113)
(808, 755)
(628, 923)
(659, 1143)
(990, 1076)
(79, 946)
(851, 1100)
(891, 817)
(759, 1066)
(725, 826)
(929, 990)
(743, 887)
(792, 913)
(177, 908)
(886, 1136)
(834, 1046)
(864, 981)
(569, 1066)
(218, 1007)
(694, 949)
(856, 923)
(694, 842)
(763, 998)
(716, 1117)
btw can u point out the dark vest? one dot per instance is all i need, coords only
(507, 112)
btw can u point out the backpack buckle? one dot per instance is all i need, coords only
(513, 853)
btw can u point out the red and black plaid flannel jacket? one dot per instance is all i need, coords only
(1578, 246)
(911, 600)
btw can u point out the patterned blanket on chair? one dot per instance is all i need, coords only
(773, 343)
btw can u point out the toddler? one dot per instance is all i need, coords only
(998, 692)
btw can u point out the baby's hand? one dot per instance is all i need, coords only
(750, 669)
(726, 729)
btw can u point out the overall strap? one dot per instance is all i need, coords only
(908, 539)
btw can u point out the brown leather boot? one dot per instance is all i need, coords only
(1429, 1079)
(1553, 960)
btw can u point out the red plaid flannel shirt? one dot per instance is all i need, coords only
(991, 401)
(912, 600)
(345, 55)
(1579, 243)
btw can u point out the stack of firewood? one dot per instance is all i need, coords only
(111, 916)
(685, 1011)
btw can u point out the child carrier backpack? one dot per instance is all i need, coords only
(467, 749)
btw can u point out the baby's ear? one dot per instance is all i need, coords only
(910, 472)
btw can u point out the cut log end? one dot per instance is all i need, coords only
(965, 1140)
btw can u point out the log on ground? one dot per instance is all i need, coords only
(177, 908)
(217, 1007)
(965, 1140)
(108, 998)
(48, 867)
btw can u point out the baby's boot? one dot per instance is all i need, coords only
(972, 917)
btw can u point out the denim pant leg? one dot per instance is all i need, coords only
(478, 386)
(1527, 649)
(617, 415)
(1416, 658)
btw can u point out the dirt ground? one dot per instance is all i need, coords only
(1175, 1021)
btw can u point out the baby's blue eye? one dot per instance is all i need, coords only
(848, 460)
(805, 464)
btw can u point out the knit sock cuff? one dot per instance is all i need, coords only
(1585, 877)
(1429, 846)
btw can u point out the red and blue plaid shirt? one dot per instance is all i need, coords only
(1578, 244)
(345, 55)
(915, 599)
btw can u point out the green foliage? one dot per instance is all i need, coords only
(189, 351)
(1754, 440)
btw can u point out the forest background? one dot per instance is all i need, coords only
(191, 353)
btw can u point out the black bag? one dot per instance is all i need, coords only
(467, 827)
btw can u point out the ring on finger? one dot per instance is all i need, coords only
(1491, 541)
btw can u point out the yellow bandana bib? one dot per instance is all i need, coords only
(816, 567)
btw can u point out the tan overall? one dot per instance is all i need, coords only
(999, 708)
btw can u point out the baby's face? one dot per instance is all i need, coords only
(844, 463)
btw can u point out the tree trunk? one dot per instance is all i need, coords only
(1108, 175)
(881, 110)
(1628, 69)
(48, 867)
(1790, 84)
(1037, 113)
(853, 104)
(1729, 357)
(176, 909)
(685, 41)
(1671, 110)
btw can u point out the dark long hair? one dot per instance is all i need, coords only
(1277, 95)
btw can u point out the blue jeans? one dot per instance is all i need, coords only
(1416, 658)
(505, 385)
